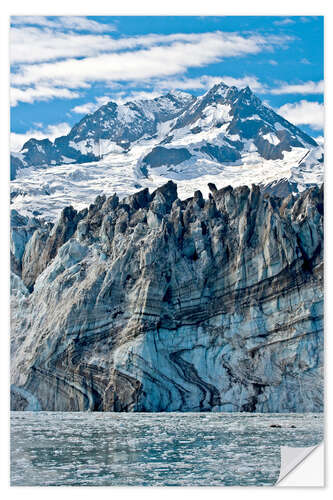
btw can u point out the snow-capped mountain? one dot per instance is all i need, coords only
(112, 128)
(227, 136)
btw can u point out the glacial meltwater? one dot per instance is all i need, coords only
(154, 449)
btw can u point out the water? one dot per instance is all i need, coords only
(149, 449)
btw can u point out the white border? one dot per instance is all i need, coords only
(146, 7)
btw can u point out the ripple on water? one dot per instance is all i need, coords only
(141, 449)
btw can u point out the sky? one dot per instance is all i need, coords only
(67, 66)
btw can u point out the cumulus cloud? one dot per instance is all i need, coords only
(39, 93)
(300, 88)
(304, 113)
(51, 132)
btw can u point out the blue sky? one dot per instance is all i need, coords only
(64, 67)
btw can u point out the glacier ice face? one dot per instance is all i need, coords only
(152, 303)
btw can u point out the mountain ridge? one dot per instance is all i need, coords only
(160, 109)
(56, 151)
(226, 136)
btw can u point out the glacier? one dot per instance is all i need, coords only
(154, 303)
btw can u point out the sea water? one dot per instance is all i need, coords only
(154, 449)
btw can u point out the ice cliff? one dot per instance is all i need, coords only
(156, 304)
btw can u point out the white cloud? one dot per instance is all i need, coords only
(284, 22)
(39, 93)
(51, 132)
(85, 109)
(31, 44)
(57, 130)
(46, 57)
(304, 113)
(90, 107)
(35, 44)
(300, 88)
(76, 23)
(188, 50)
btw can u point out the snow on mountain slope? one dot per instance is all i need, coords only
(226, 136)
(112, 127)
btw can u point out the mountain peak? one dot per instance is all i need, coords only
(219, 89)
(184, 136)
(246, 90)
(218, 86)
(179, 94)
(248, 97)
(34, 142)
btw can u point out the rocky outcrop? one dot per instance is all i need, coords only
(156, 304)
(15, 165)
(221, 154)
(166, 156)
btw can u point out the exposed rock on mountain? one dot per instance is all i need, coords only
(152, 303)
(242, 116)
(15, 165)
(119, 125)
(236, 115)
(160, 156)
(227, 136)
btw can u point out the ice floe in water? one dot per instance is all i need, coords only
(138, 449)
